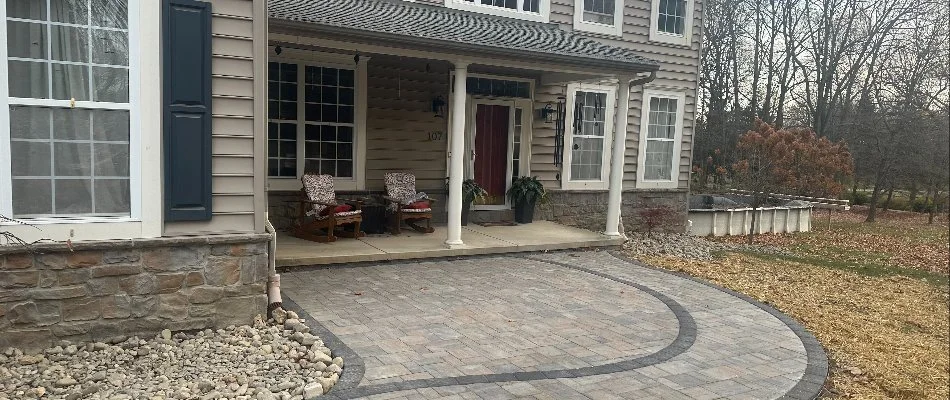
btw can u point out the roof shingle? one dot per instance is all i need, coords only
(415, 21)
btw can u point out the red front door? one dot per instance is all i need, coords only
(491, 151)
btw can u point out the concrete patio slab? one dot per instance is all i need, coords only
(549, 325)
(479, 240)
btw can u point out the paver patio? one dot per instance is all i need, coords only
(584, 325)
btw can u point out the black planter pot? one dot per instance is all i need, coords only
(524, 212)
(466, 206)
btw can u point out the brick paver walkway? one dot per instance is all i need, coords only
(584, 325)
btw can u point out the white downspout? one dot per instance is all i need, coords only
(273, 279)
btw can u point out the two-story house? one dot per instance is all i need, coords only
(145, 141)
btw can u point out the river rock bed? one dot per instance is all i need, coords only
(278, 359)
(686, 246)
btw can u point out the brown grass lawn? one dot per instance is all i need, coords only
(875, 295)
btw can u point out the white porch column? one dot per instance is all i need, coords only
(617, 159)
(457, 156)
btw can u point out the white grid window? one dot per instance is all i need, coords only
(316, 107)
(282, 124)
(661, 134)
(599, 11)
(589, 130)
(531, 10)
(603, 17)
(671, 16)
(523, 5)
(68, 69)
(516, 143)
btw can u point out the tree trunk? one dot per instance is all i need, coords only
(872, 204)
(755, 207)
(890, 196)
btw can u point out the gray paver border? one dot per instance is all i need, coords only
(811, 385)
(354, 368)
(346, 388)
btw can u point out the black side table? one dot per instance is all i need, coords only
(374, 218)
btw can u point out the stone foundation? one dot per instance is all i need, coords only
(102, 291)
(588, 209)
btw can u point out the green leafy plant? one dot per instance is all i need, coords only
(471, 191)
(526, 189)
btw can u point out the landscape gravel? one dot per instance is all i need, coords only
(278, 359)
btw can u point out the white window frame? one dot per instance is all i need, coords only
(145, 123)
(648, 95)
(602, 184)
(664, 37)
(543, 14)
(616, 29)
(332, 60)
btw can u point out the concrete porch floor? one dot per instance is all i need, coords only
(536, 236)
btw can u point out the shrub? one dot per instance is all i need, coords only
(922, 205)
(897, 203)
(857, 198)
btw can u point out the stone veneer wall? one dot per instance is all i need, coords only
(588, 209)
(102, 291)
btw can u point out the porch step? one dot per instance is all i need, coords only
(479, 216)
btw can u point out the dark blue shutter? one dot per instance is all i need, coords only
(186, 53)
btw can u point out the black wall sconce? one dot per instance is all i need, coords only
(548, 114)
(438, 106)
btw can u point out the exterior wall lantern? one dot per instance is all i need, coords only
(438, 106)
(548, 114)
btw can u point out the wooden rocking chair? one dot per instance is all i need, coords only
(319, 211)
(401, 196)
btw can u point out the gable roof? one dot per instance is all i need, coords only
(444, 28)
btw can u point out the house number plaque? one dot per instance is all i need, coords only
(435, 136)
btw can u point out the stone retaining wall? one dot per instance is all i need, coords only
(588, 209)
(101, 291)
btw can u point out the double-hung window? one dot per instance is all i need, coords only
(531, 10)
(68, 109)
(671, 21)
(588, 139)
(599, 16)
(312, 123)
(661, 132)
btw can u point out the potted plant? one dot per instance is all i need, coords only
(525, 193)
(470, 192)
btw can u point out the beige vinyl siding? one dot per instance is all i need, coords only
(678, 71)
(233, 122)
(399, 120)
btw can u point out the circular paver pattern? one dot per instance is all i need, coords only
(560, 325)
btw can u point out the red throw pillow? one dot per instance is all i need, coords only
(421, 204)
(339, 209)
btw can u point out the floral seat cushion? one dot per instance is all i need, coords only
(401, 186)
(320, 188)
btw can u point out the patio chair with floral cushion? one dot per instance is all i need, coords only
(405, 204)
(321, 213)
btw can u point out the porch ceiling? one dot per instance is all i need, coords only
(429, 28)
